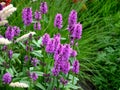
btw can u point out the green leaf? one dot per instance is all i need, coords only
(45, 18)
(1, 60)
(10, 71)
(63, 38)
(22, 45)
(37, 53)
(40, 86)
(36, 43)
(73, 87)
(39, 73)
(16, 55)
(75, 79)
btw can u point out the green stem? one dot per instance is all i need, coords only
(63, 87)
(57, 83)
(73, 80)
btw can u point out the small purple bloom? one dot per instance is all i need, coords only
(4, 48)
(7, 78)
(72, 42)
(73, 53)
(63, 81)
(30, 36)
(27, 48)
(26, 42)
(43, 8)
(34, 76)
(26, 58)
(34, 61)
(16, 30)
(58, 21)
(76, 66)
(45, 39)
(31, 48)
(38, 15)
(10, 53)
(50, 46)
(27, 16)
(9, 34)
(37, 26)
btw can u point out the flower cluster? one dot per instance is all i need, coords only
(74, 28)
(38, 15)
(27, 16)
(11, 32)
(7, 78)
(33, 76)
(43, 8)
(62, 54)
(37, 26)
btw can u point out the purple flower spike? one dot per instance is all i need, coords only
(58, 21)
(45, 39)
(72, 20)
(76, 66)
(9, 34)
(7, 78)
(10, 53)
(27, 16)
(34, 76)
(34, 62)
(4, 48)
(77, 31)
(73, 53)
(37, 26)
(38, 15)
(43, 8)
(26, 58)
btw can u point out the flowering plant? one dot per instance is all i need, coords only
(40, 62)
